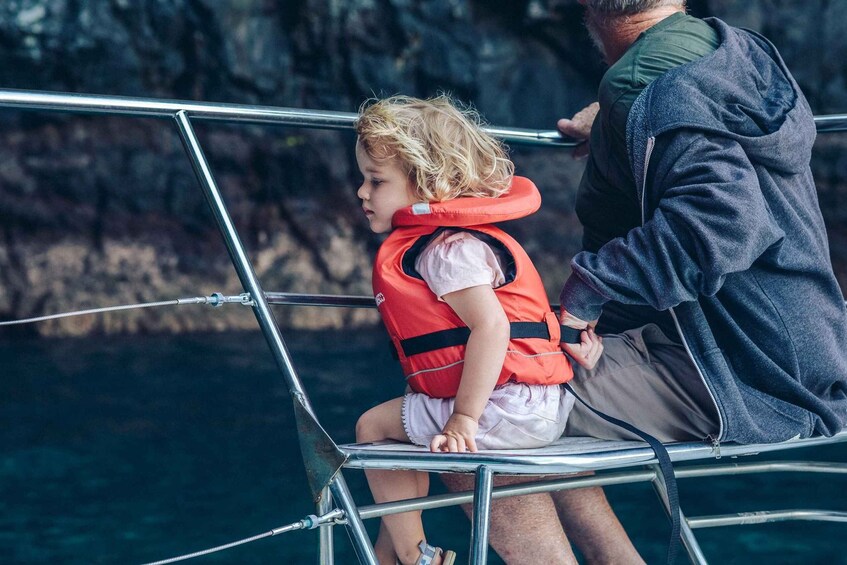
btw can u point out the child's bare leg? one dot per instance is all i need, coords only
(404, 530)
(383, 547)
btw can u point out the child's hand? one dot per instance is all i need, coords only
(588, 351)
(457, 436)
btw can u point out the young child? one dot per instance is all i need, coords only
(463, 304)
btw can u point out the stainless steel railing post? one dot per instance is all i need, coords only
(264, 316)
(355, 526)
(689, 541)
(325, 533)
(237, 253)
(481, 515)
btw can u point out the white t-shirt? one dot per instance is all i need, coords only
(456, 260)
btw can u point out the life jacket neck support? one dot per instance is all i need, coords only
(428, 335)
(522, 200)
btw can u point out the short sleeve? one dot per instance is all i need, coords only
(456, 261)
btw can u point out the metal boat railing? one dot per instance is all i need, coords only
(242, 113)
(324, 459)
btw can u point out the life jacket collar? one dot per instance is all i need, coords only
(522, 200)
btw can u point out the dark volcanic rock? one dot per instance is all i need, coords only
(106, 210)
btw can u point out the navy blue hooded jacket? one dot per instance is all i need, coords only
(732, 242)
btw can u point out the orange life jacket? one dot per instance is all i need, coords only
(428, 336)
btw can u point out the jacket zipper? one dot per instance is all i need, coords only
(714, 441)
(716, 445)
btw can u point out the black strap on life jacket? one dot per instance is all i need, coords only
(459, 336)
(665, 467)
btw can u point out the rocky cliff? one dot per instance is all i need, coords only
(98, 211)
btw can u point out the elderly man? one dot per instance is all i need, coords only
(705, 256)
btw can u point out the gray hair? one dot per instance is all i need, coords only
(627, 7)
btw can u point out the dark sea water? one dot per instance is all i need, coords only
(134, 449)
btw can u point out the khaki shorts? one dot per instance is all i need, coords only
(646, 380)
(517, 416)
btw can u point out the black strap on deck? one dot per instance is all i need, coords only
(459, 336)
(665, 467)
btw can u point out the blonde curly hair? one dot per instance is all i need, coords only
(441, 147)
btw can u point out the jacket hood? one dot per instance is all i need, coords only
(743, 90)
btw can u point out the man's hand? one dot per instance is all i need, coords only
(579, 128)
(588, 351)
(457, 436)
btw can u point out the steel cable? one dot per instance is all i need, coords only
(310, 522)
(215, 299)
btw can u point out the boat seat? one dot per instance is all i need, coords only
(567, 455)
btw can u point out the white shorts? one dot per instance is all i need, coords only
(516, 416)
